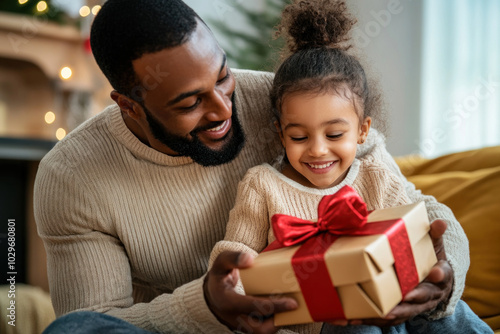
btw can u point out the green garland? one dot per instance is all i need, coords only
(53, 13)
(256, 51)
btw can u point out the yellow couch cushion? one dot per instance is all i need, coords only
(488, 157)
(469, 183)
(33, 311)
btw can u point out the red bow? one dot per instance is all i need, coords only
(341, 213)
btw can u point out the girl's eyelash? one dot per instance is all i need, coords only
(328, 136)
(297, 138)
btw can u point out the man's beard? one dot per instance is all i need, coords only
(194, 148)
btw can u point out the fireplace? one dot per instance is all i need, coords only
(49, 84)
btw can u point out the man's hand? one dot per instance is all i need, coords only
(435, 289)
(243, 313)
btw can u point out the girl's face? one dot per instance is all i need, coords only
(320, 134)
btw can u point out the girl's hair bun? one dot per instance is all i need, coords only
(308, 24)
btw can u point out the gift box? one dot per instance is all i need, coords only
(350, 264)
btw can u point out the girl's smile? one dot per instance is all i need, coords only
(320, 167)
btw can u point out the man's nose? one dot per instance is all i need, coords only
(220, 107)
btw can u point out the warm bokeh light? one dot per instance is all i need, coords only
(50, 117)
(41, 6)
(22, 2)
(60, 133)
(84, 11)
(66, 73)
(96, 9)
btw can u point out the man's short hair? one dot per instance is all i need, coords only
(125, 30)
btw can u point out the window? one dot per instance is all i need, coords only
(461, 76)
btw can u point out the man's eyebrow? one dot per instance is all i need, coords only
(330, 122)
(185, 95)
(224, 61)
(182, 96)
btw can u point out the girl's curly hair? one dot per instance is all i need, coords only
(316, 24)
(318, 38)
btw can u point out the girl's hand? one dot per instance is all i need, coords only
(245, 314)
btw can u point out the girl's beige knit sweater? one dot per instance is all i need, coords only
(128, 230)
(264, 191)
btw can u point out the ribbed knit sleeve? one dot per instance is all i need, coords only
(89, 268)
(455, 240)
(249, 230)
(378, 187)
(249, 219)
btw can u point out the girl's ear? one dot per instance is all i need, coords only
(280, 133)
(364, 129)
(127, 105)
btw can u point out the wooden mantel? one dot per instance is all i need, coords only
(51, 47)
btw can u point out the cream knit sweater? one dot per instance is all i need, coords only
(128, 230)
(264, 191)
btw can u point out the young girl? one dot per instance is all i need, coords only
(324, 108)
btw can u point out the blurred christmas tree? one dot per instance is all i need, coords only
(46, 10)
(257, 49)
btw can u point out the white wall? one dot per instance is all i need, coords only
(389, 37)
(389, 34)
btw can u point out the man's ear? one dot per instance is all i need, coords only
(127, 105)
(280, 133)
(364, 129)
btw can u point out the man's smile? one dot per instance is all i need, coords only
(217, 133)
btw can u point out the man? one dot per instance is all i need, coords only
(130, 204)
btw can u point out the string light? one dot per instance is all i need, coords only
(41, 6)
(96, 9)
(66, 73)
(60, 133)
(84, 11)
(22, 2)
(50, 117)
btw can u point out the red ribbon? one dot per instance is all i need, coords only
(340, 214)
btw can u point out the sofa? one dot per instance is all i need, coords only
(467, 182)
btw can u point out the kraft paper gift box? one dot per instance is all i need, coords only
(347, 277)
